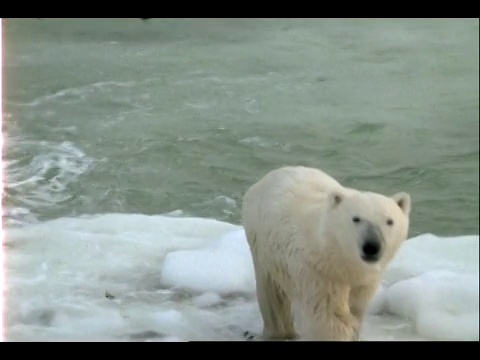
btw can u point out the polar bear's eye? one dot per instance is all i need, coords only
(390, 222)
(356, 219)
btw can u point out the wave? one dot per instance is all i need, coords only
(39, 176)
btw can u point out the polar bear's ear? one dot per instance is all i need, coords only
(403, 201)
(335, 198)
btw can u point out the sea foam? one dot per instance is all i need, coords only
(131, 277)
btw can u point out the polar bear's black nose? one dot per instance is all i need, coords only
(372, 244)
(371, 250)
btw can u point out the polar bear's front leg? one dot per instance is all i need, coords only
(326, 316)
(275, 309)
(360, 298)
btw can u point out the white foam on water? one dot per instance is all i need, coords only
(40, 175)
(131, 277)
(207, 299)
(227, 205)
(256, 141)
(443, 305)
(434, 282)
(75, 94)
(222, 267)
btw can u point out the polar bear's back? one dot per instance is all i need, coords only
(294, 193)
(289, 183)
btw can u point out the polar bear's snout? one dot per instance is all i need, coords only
(373, 243)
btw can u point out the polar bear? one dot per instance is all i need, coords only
(319, 250)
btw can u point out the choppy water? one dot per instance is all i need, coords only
(123, 116)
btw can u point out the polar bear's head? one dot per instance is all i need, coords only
(367, 227)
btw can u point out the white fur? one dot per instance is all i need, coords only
(311, 279)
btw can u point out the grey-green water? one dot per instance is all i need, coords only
(105, 115)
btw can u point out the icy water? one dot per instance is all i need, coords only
(110, 124)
